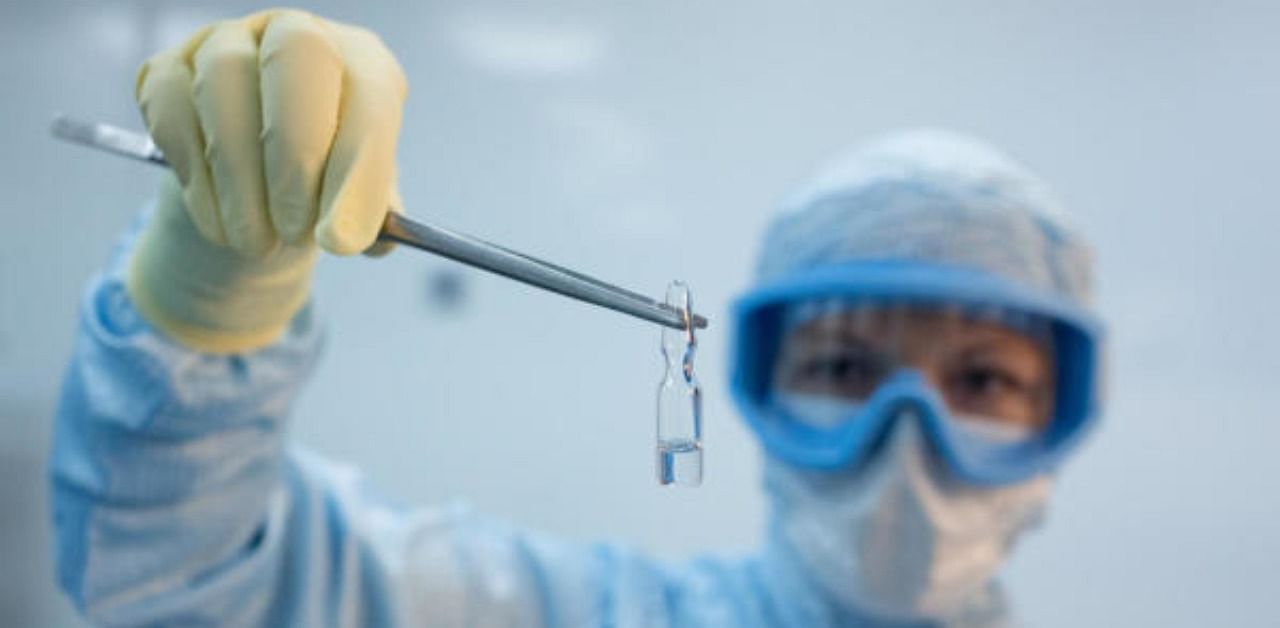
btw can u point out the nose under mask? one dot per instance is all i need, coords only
(898, 537)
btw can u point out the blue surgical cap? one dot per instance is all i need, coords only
(930, 196)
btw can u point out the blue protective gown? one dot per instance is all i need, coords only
(178, 501)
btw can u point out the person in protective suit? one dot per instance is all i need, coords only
(917, 356)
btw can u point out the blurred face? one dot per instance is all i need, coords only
(981, 369)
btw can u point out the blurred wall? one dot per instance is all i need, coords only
(647, 141)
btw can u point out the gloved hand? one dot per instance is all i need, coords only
(281, 130)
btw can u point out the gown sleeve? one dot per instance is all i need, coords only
(178, 501)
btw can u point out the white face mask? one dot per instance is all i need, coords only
(898, 537)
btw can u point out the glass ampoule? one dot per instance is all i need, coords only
(679, 424)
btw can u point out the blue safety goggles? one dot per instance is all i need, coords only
(762, 319)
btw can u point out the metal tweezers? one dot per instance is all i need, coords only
(451, 244)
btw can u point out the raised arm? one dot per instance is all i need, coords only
(175, 500)
(178, 502)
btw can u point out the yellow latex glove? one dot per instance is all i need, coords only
(281, 129)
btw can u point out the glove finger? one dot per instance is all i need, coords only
(359, 175)
(228, 102)
(164, 93)
(381, 247)
(302, 71)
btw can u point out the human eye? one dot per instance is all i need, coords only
(850, 372)
(990, 381)
(992, 390)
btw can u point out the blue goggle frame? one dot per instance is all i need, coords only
(757, 336)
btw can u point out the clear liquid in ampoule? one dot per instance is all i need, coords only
(679, 426)
(680, 462)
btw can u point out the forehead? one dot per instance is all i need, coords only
(889, 322)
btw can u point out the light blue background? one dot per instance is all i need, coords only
(643, 141)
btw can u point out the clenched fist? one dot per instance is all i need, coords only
(281, 129)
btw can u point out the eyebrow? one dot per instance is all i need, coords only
(833, 335)
(990, 349)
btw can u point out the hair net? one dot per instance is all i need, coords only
(935, 196)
